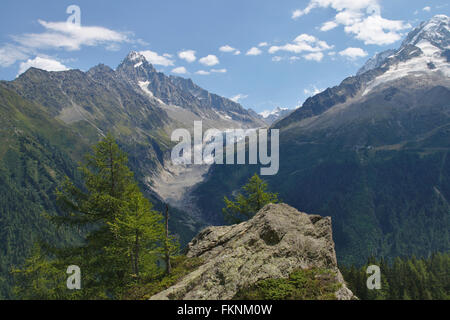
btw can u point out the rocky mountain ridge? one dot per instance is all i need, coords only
(184, 93)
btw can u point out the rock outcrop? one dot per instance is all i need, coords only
(275, 242)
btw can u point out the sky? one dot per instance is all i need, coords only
(260, 53)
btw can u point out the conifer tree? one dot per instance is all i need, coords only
(137, 236)
(254, 197)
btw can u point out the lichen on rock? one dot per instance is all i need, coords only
(275, 242)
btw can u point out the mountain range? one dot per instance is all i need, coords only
(370, 152)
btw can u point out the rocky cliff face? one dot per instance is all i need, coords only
(176, 94)
(277, 241)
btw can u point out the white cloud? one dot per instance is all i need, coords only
(209, 60)
(277, 59)
(353, 53)
(303, 43)
(155, 59)
(43, 63)
(239, 97)
(338, 5)
(313, 4)
(361, 18)
(297, 14)
(253, 52)
(9, 54)
(313, 91)
(219, 70)
(63, 35)
(329, 25)
(263, 44)
(179, 70)
(188, 55)
(427, 9)
(348, 17)
(203, 72)
(315, 56)
(377, 30)
(229, 49)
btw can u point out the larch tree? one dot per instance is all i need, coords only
(245, 205)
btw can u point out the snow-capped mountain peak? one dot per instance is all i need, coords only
(135, 56)
(270, 116)
(267, 113)
(432, 37)
(136, 66)
(376, 61)
(136, 59)
(436, 31)
(424, 52)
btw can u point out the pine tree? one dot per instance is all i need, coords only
(246, 205)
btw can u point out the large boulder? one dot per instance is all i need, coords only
(275, 242)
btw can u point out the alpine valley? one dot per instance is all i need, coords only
(372, 153)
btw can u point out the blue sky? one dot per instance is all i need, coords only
(262, 53)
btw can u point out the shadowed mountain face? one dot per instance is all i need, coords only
(372, 153)
(36, 153)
